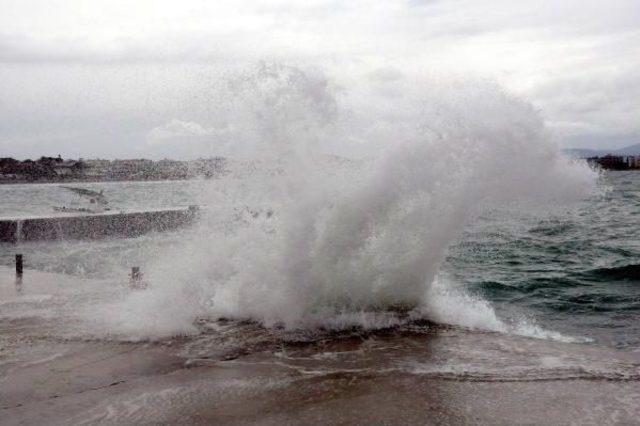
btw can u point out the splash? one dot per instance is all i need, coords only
(343, 197)
(446, 302)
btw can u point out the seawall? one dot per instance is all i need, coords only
(95, 226)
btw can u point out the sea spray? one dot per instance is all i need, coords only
(299, 237)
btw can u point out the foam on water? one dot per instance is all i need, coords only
(448, 303)
(299, 237)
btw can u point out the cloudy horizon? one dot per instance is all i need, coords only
(122, 79)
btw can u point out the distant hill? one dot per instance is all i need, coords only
(629, 150)
(585, 153)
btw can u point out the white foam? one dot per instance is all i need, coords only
(448, 303)
(348, 236)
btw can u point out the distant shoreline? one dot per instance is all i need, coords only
(59, 170)
(51, 181)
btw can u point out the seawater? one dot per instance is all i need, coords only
(572, 270)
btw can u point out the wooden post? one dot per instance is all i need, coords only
(136, 278)
(135, 273)
(18, 265)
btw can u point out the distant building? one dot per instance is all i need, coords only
(610, 162)
(97, 163)
(9, 177)
(96, 169)
(206, 167)
(66, 168)
(633, 162)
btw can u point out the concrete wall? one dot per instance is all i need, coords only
(95, 226)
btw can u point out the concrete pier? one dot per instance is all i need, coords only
(95, 226)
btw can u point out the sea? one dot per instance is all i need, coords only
(574, 271)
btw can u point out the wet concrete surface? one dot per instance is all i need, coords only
(142, 384)
(423, 375)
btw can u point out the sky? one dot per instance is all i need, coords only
(122, 79)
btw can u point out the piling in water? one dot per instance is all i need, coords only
(135, 273)
(18, 265)
(135, 279)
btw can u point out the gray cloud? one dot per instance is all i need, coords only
(95, 78)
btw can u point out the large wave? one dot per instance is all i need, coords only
(343, 197)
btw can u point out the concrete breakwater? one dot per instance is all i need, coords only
(95, 226)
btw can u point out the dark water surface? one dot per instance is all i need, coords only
(577, 270)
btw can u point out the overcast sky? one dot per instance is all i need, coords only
(111, 78)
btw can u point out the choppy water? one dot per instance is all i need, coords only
(576, 270)
(572, 270)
